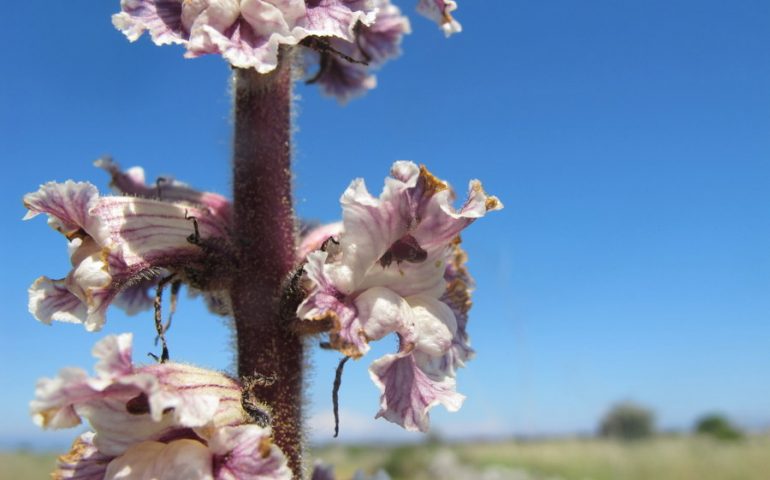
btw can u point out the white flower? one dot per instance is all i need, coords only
(169, 420)
(397, 268)
(121, 245)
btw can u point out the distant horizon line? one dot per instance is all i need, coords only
(55, 445)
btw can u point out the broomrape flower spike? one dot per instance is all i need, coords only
(393, 265)
(170, 421)
(344, 40)
(397, 267)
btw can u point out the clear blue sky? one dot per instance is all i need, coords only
(630, 142)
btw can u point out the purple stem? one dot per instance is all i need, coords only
(264, 232)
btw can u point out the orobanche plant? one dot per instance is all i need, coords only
(393, 265)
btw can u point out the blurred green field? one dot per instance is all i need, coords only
(684, 458)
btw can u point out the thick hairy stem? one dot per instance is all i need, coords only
(264, 230)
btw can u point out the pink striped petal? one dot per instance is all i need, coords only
(51, 300)
(440, 11)
(68, 205)
(408, 392)
(246, 451)
(161, 18)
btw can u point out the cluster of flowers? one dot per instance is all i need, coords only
(167, 420)
(396, 267)
(346, 38)
(393, 265)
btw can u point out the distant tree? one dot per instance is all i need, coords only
(717, 426)
(627, 421)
